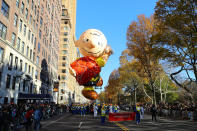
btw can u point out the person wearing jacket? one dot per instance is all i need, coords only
(37, 118)
(103, 113)
(28, 117)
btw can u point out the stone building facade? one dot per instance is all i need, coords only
(29, 46)
(69, 90)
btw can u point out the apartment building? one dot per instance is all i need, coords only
(29, 48)
(69, 90)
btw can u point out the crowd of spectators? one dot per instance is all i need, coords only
(177, 111)
(28, 116)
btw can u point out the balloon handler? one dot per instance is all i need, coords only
(92, 44)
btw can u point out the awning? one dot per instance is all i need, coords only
(34, 96)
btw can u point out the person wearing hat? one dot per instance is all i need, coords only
(103, 112)
(137, 110)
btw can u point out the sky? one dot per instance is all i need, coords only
(112, 17)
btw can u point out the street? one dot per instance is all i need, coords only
(69, 122)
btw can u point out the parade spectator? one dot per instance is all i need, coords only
(28, 117)
(6, 119)
(37, 118)
(154, 112)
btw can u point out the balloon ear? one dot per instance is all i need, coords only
(77, 43)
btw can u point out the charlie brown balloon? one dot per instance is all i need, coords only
(92, 44)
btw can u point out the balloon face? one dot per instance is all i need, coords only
(92, 43)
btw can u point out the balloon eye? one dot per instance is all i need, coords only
(85, 40)
(100, 44)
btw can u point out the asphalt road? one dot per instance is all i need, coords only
(161, 125)
(69, 122)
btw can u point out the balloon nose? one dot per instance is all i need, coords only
(91, 45)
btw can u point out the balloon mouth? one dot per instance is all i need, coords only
(90, 52)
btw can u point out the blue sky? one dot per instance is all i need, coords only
(112, 17)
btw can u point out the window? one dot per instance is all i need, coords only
(40, 34)
(35, 42)
(64, 52)
(63, 78)
(37, 60)
(65, 39)
(26, 13)
(29, 34)
(63, 84)
(5, 9)
(65, 33)
(23, 47)
(8, 81)
(32, 72)
(33, 56)
(49, 58)
(24, 30)
(16, 63)
(13, 39)
(25, 69)
(34, 23)
(65, 45)
(20, 25)
(32, 38)
(15, 19)
(10, 59)
(27, 51)
(36, 74)
(3, 31)
(35, 10)
(64, 58)
(41, 21)
(27, 1)
(50, 38)
(64, 71)
(17, 3)
(37, 15)
(21, 65)
(29, 69)
(18, 43)
(30, 54)
(13, 83)
(32, 4)
(65, 28)
(24, 83)
(64, 64)
(22, 7)
(30, 19)
(42, 10)
(38, 46)
(1, 54)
